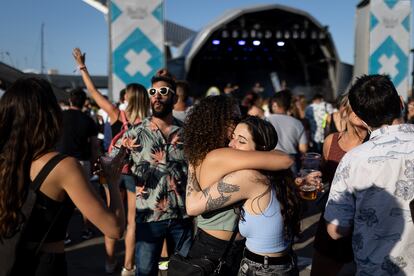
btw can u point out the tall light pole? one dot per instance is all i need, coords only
(42, 48)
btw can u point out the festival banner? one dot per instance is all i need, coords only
(137, 42)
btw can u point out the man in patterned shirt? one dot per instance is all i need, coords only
(316, 114)
(161, 170)
(374, 183)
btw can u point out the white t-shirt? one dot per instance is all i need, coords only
(371, 191)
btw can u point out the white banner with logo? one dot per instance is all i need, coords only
(389, 51)
(137, 42)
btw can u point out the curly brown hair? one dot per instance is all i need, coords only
(206, 126)
(30, 119)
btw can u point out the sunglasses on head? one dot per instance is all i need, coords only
(163, 91)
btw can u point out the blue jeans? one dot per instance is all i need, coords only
(149, 240)
(128, 182)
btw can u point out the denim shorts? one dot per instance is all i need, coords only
(251, 268)
(128, 182)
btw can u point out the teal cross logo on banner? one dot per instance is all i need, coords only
(137, 41)
(389, 41)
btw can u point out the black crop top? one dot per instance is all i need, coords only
(44, 211)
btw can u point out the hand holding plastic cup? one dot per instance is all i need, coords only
(310, 182)
(110, 166)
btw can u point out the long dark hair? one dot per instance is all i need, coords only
(30, 120)
(206, 126)
(265, 138)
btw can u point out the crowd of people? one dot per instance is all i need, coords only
(216, 179)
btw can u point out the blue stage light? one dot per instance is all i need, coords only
(216, 42)
(241, 42)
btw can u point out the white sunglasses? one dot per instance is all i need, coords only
(163, 91)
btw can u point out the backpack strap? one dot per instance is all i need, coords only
(124, 120)
(44, 172)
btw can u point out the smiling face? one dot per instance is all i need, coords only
(242, 139)
(162, 105)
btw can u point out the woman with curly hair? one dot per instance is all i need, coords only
(207, 132)
(30, 126)
(270, 213)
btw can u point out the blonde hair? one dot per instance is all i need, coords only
(138, 102)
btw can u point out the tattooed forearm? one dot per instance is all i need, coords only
(216, 203)
(192, 184)
(196, 185)
(224, 187)
(189, 189)
(206, 191)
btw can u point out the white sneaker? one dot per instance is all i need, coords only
(110, 268)
(163, 265)
(127, 272)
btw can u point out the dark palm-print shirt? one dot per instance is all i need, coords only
(161, 170)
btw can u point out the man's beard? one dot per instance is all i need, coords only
(164, 111)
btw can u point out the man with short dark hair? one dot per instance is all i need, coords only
(374, 183)
(79, 138)
(161, 170)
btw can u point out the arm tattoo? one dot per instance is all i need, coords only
(224, 187)
(196, 185)
(189, 189)
(216, 203)
(206, 191)
(219, 202)
(192, 184)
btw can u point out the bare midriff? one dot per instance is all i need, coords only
(222, 235)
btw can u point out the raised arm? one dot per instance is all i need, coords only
(100, 100)
(221, 162)
(231, 188)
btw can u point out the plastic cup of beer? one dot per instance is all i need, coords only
(311, 160)
(309, 189)
(105, 161)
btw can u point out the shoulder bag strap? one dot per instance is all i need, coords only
(50, 165)
(228, 246)
(44, 172)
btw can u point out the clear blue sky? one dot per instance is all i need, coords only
(72, 23)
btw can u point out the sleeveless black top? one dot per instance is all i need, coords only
(44, 211)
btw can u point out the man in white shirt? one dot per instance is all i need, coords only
(290, 131)
(374, 184)
(316, 114)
